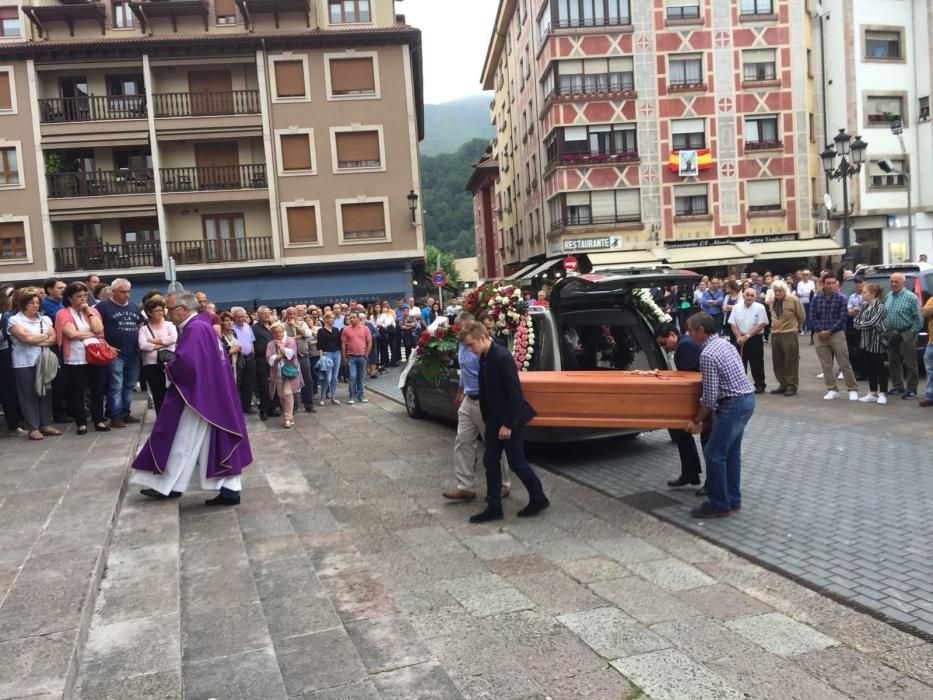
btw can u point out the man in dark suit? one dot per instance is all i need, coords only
(505, 413)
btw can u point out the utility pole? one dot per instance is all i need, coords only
(897, 128)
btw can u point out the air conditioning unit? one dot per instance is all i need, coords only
(822, 229)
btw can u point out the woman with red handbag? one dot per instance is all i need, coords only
(78, 327)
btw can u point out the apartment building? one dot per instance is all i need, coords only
(877, 57)
(268, 146)
(669, 131)
(482, 186)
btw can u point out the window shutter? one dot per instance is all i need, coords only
(763, 192)
(296, 152)
(358, 218)
(302, 225)
(578, 199)
(595, 66)
(690, 191)
(874, 170)
(6, 97)
(758, 56)
(289, 78)
(603, 205)
(574, 133)
(352, 75)
(224, 8)
(688, 126)
(358, 146)
(12, 240)
(9, 13)
(620, 65)
(570, 67)
(628, 202)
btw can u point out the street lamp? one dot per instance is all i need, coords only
(897, 128)
(851, 156)
(412, 204)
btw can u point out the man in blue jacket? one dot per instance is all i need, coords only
(505, 413)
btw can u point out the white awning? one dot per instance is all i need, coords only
(520, 273)
(806, 248)
(708, 256)
(538, 269)
(625, 259)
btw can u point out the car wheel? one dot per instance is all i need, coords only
(411, 402)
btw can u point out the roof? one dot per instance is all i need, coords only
(486, 166)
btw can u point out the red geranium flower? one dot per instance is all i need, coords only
(439, 333)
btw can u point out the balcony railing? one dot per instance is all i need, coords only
(595, 84)
(204, 104)
(571, 23)
(595, 157)
(221, 251)
(108, 256)
(766, 145)
(214, 177)
(98, 183)
(91, 108)
(589, 220)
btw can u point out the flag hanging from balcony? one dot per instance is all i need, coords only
(689, 163)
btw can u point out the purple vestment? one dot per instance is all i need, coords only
(201, 378)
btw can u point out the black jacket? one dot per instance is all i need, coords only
(500, 392)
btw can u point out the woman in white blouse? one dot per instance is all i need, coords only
(30, 332)
(154, 335)
(385, 320)
(76, 325)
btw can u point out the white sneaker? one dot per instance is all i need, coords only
(321, 403)
(882, 399)
(869, 398)
(830, 395)
(351, 402)
(853, 396)
(839, 376)
(335, 402)
(362, 400)
(820, 375)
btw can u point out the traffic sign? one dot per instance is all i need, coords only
(571, 263)
(439, 278)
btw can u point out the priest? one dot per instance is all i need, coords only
(200, 427)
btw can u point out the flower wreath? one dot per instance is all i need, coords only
(510, 312)
(642, 300)
(433, 350)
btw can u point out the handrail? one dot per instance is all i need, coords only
(199, 104)
(97, 183)
(91, 108)
(214, 177)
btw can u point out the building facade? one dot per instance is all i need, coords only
(269, 147)
(677, 131)
(877, 57)
(482, 186)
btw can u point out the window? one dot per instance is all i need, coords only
(135, 159)
(301, 224)
(602, 207)
(883, 45)
(363, 222)
(225, 238)
(349, 11)
(6, 90)
(924, 112)
(13, 241)
(9, 166)
(763, 195)
(604, 340)
(126, 96)
(139, 230)
(592, 13)
(225, 11)
(595, 76)
(352, 77)
(357, 149)
(678, 10)
(756, 7)
(544, 24)
(690, 200)
(688, 134)
(290, 78)
(122, 15)
(594, 143)
(879, 179)
(9, 22)
(761, 132)
(296, 153)
(880, 109)
(685, 71)
(758, 65)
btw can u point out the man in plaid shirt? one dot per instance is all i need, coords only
(728, 398)
(828, 318)
(904, 316)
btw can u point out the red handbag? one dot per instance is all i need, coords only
(99, 354)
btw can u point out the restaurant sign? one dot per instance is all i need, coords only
(729, 240)
(588, 244)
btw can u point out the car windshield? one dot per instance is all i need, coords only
(610, 339)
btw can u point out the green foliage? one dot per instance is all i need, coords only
(447, 263)
(434, 352)
(449, 125)
(54, 162)
(448, 207)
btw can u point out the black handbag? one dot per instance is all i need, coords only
(163, 355)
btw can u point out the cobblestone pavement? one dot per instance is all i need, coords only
(344, 574)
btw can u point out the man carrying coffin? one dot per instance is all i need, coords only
(200, 427)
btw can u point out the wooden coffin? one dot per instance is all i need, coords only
(663, 399)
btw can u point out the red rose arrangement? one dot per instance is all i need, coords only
(510, 311)
(434, 350)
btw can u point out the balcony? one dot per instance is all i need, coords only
(57, 110)
(620, 221)
(206, 104)
(214, 177)
(205, 252)
(767, 145)
(594, 158)
(605, 85)
(592, 22)
(123, 256)
(86, 122)
(100, 183)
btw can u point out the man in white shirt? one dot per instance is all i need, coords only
(805, 287)
(748, 321)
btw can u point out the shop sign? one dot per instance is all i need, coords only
(729, 240)
(588, 244)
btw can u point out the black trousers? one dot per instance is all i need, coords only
(877, 371)
(753, 354)
(60, 400)
(81, 381)
(8, 399)
(514, 449)
(155, 380)
(262, 386)
(246, 382)
(689, 455)
(384, 342)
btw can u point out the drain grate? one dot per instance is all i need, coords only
(648, 501)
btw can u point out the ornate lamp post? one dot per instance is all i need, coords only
(851, 156)
(412, 204)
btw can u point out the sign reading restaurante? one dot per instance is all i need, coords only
(599, 243)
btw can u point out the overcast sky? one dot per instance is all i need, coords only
(455, 36)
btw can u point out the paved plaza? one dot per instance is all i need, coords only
(344, 575)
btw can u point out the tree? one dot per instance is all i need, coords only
(447, 263)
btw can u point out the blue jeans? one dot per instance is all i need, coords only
(357, 372)
(329, 378)
(723, 452)
(122, 375)
(928, 361)
(806, 321)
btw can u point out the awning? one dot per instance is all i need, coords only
(809, 247)
(538, 269)
(627, 259)
(521, 272)
(708, 256)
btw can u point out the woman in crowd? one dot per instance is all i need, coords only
(372, 361)
(8, 400)
(284, 371)
(230, 342)
(732, 298)
(76, 326)
(31, 332)
(328, 344)
(313, 319)
(154, 335)
(385, 320)
(872, 321)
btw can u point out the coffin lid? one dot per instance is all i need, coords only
(610, 382)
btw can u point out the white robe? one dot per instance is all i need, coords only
(190, 449)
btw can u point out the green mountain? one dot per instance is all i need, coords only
(449, 125)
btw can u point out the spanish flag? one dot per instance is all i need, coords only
(704, 161)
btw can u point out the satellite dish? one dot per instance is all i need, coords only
(828, 202)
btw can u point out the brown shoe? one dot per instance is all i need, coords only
(505, 492)
(117, 423)
(49, 431)
(459, 494)
(130, 419)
